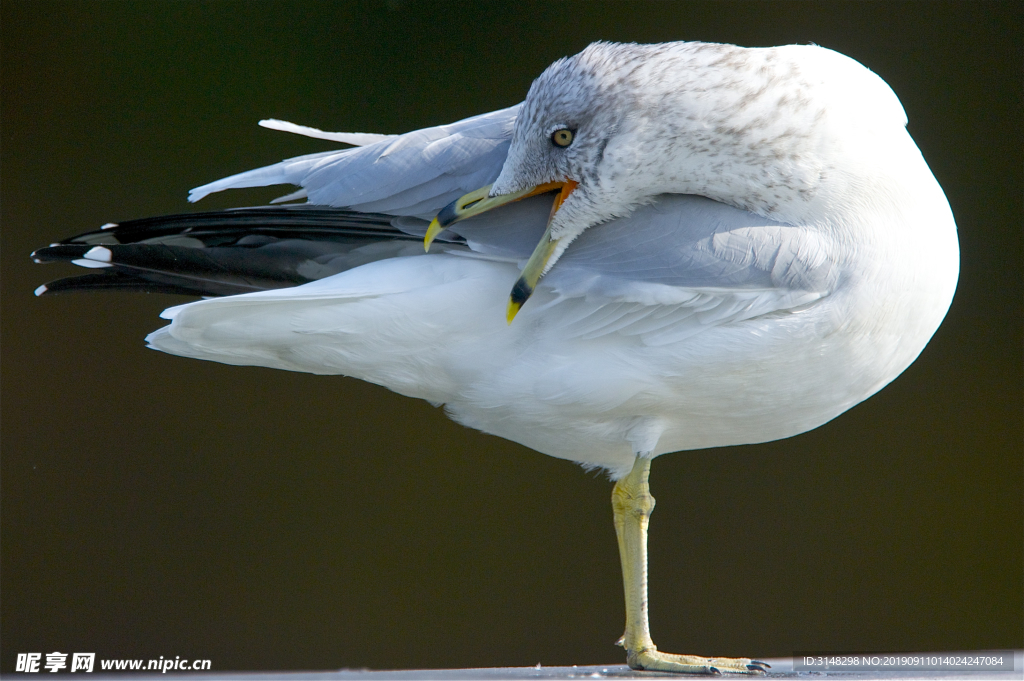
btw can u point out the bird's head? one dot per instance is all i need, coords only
(578, 131)
(568, 138)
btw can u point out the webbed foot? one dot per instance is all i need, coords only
(651, 659)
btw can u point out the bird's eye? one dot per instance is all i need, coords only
(562, 137)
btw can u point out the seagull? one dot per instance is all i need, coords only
(664, 247)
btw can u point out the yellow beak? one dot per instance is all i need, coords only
(537, 265)
(477, 202)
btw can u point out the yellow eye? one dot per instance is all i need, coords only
(562, 137)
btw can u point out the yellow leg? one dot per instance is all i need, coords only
(632, 503)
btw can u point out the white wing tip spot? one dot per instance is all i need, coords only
(98, 256)
(99, 253)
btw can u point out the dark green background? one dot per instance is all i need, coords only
(153, 505)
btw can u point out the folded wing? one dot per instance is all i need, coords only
(415, 174)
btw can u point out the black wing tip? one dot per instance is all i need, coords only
(62, 252)
(216, 253)
(115, 282)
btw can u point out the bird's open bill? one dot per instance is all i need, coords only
(477, 202)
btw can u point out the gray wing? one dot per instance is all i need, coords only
(415, 174)
(668, 270)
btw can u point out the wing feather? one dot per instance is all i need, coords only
(417, 173)
(682, 265)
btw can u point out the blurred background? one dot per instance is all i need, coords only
(153, 505)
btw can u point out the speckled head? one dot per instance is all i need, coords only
(745, 126)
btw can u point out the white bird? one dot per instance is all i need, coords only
(745, 243)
